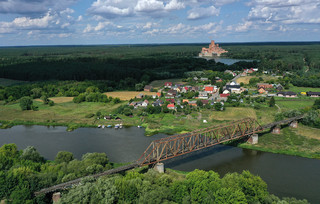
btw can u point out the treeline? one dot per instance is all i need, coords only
(54, 88)
(24, 172)
(112, 69)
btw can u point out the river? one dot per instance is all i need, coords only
(286, 176)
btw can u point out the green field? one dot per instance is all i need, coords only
(303, 89)
(294, 103)
(302, 141)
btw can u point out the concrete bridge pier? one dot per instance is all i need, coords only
(276, 130)
(56, 197)
(294, 124)
(159, 167)
(253, 139)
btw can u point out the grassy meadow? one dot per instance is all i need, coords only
(302, 141)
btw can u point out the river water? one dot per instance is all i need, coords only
(285, 175)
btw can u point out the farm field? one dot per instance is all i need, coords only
(127, 95)
(58, 99)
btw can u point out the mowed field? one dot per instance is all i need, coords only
(160, 83)
(246, 79)
(127, 95)
(58, 99)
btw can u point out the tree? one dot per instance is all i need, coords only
(272, 102)
(139, 86)
(316, 104)
(199, 103)
(31, 153)
(64, 156)
(26, 103)
(127, 111)
(116, 100)
(218, 106)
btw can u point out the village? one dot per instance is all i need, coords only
(206, 94)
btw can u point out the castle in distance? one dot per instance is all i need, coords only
(213, 50)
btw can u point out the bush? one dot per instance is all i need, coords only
(51, 103)
(26, 103)
(90, 115)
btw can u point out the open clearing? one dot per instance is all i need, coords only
(127, 95)
(159, 83)
(58, 99)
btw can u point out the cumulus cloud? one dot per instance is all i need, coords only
(123, 8)
(33, 7)
(53, 21)
(285, 11)
(243, 27)
(199, 13)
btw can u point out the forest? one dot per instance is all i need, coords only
(137, 63)
(23, 172)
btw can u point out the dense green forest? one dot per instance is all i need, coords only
(24, 172)
(137, 63)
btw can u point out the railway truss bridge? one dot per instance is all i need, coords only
(177, 145)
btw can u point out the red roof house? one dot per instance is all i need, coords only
(168, 84)
(208, 89)
(170, 106)
(224, 95)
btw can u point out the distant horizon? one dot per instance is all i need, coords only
(190, 43)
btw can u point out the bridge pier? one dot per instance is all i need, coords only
(276, 130)
(159, 167)
(253, 139)
(56, 197)
(294, 124)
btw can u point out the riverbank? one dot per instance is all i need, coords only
(299, 142)
(302, 141)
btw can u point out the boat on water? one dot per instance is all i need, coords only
(99, 126)
(116, 126)
(103, 126)
(109, 126)
(139, 126)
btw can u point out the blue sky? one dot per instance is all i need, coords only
(65, 22)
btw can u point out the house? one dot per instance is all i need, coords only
(195, 88)
(313, 94)
(171, 106)
(203, 95)
(158, 94)
(203, 79)
(171, 100)
(193, 103)
(145, 103)
(264, 85)
(168, 96)
(172, 92)
(168, 84)
(157, 103)
(226, 91)
(140, 96)
(185, 89)
(108, 117)
(195, 78)
(209, 89)
(185, 100)
(243, 74)
(279, 87)
(133, 103)
(139, 104)
(218, 80)
(205, 102)
(262, 90)
(223, 97)
(288, 94)
(148, 88)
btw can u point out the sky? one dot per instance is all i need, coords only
(81, 22)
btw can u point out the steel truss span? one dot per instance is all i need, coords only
(176, 145)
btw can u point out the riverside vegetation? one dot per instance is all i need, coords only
(24, 172)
